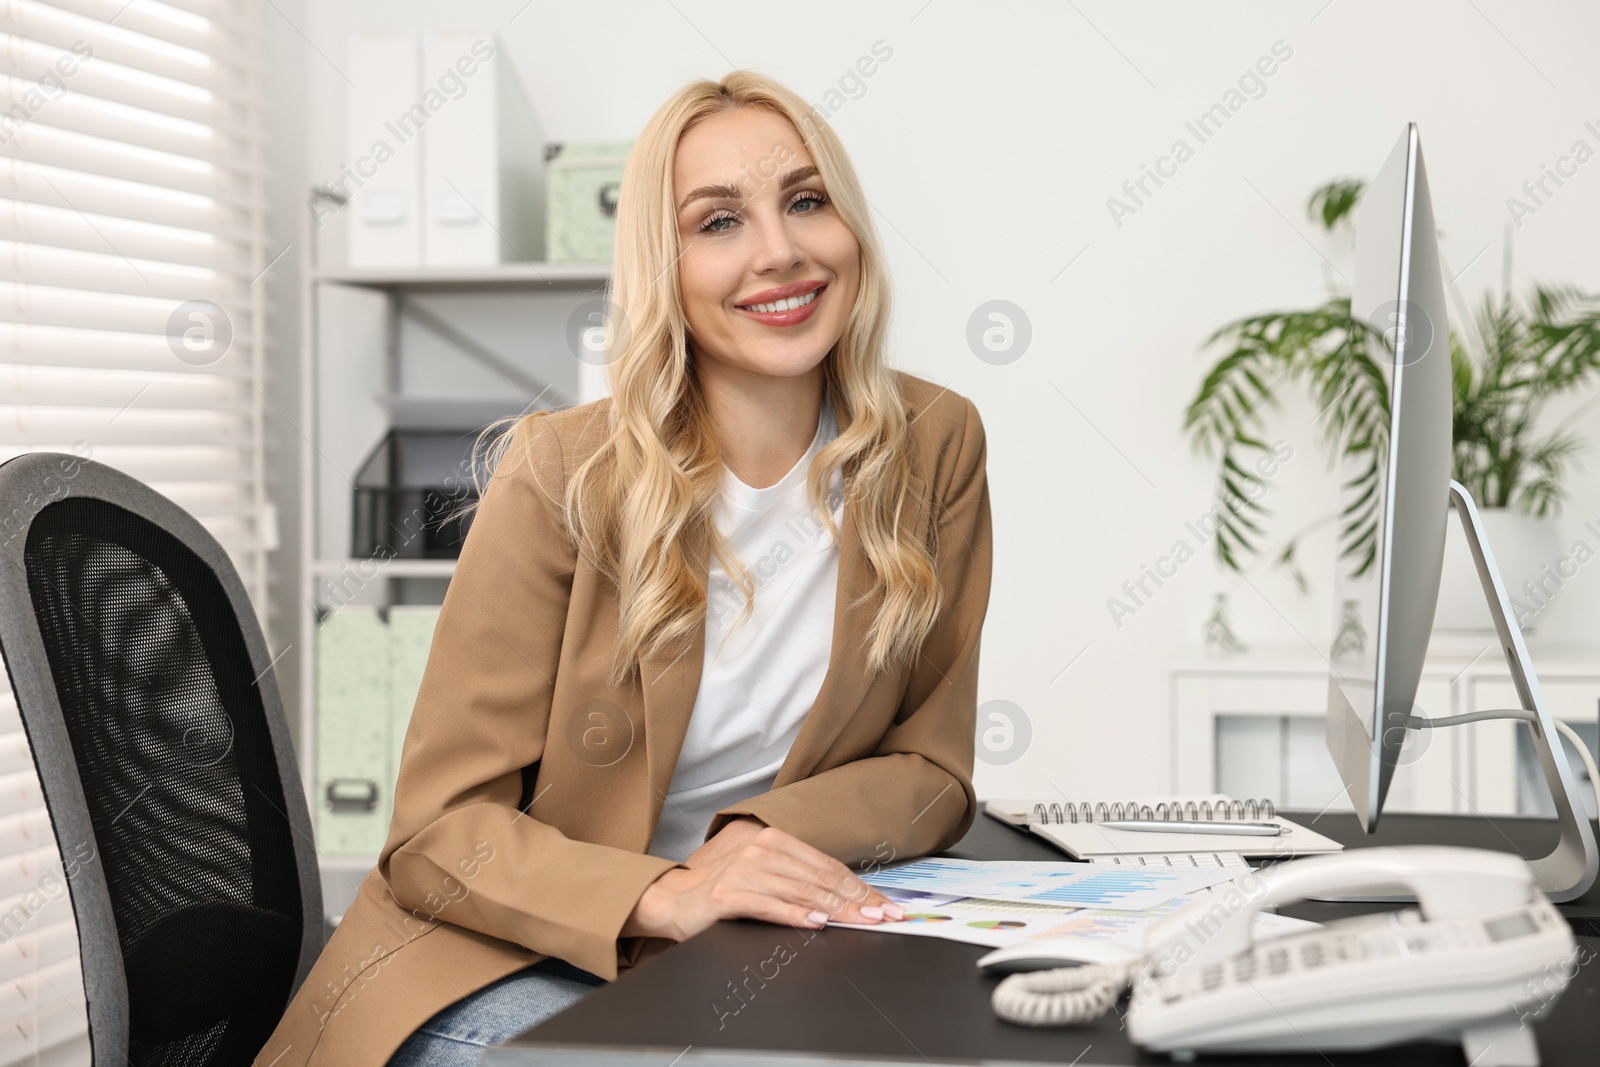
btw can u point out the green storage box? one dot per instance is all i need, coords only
(410, 638)
(369, 670)
(581, 186)
(353, 774)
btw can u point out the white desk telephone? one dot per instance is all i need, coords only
(1483, 954)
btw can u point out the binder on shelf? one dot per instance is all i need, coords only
(482, 163)
(382, 173)
(353, 775)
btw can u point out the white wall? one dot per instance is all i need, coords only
(989, 143)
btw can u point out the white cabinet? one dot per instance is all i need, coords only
(1252, 725)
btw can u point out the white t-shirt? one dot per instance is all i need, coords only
(760, 679)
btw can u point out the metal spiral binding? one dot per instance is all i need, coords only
(1189, 811)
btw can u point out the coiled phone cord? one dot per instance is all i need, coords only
(1063, 995)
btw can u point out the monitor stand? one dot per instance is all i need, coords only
(1569, 870)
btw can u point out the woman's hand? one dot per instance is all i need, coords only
(750, 870)
(733, 834)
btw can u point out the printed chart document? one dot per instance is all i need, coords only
(1075, 885)
(1127, 928)
(994, 923)
(1044, 929)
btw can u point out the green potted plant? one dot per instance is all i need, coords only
(1507, 362)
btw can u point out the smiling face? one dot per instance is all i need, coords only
(769, 270)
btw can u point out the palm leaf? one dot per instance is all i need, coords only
(1506, 360)
(1334, 201)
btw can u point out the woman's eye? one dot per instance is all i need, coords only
(713, 224)
(816, 198)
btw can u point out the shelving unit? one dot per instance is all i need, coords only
(508, 276)
(320, 568)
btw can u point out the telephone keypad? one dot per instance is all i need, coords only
(1396, 935)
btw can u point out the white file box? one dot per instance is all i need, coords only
(382, 170)
(482, 162)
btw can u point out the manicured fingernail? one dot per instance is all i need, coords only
(818, 916)
(894, 911)
(872, 911)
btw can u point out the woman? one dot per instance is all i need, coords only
(712, 641)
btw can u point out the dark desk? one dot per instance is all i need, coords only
(847, 996)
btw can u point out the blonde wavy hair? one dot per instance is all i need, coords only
(642, 506)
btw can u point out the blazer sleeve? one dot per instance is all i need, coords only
(914, 794)
(459, 849)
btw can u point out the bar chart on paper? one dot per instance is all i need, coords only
(1108, 890)
(1074, 885)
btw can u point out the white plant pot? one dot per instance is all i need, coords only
(1526, 550)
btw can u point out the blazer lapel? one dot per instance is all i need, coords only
(669, 683)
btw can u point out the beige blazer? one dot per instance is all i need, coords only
(529, 788)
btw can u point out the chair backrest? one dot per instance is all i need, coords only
(165, 760)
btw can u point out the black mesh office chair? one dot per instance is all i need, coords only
(159, 735)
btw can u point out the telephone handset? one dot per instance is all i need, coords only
(1483, 952)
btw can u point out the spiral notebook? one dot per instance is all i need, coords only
(1074, 827)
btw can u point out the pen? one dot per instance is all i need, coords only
(1161, 826)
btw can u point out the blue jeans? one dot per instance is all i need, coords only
(460, 1033)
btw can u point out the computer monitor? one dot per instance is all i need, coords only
(1396, 496)
(1386, 591)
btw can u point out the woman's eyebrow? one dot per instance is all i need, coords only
(731, 192)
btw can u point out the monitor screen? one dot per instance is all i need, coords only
(1364, 460)
(1394, 482)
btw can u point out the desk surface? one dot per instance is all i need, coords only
(848, 996)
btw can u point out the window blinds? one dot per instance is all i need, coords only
(130, 244)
